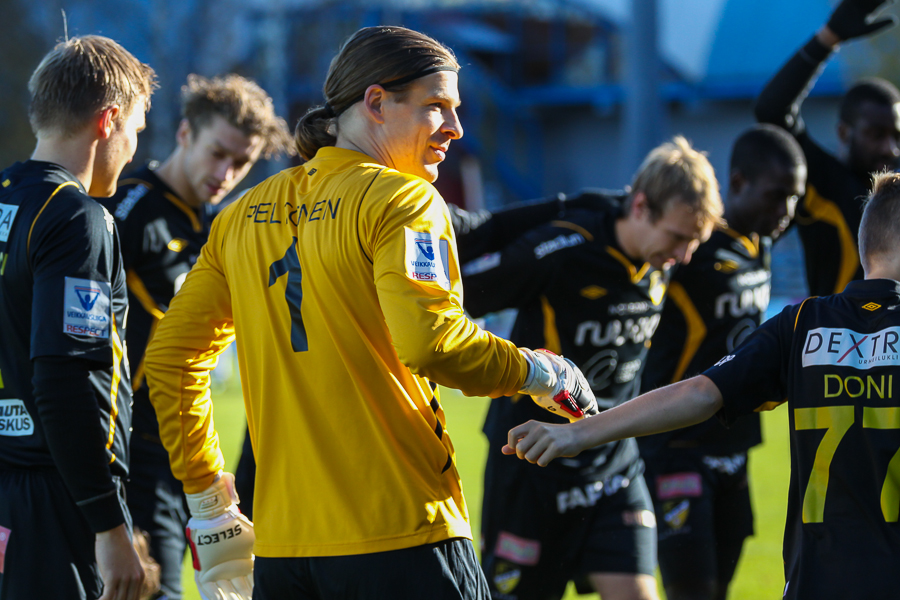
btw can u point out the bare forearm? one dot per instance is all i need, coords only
(678, 405)
(672, 407)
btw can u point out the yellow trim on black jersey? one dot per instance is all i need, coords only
(566, 224)
(551, 333)
(696, 330)
(190, 212)
(822, 209)
(765, 406)
(750, 243)
(635, 274)
(137, 287)
(31, 229)
(135, 181)
(118, 353)
(797, 318)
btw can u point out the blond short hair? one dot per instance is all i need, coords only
(242, 103)
(83, 76)
(879, 228)
(674, 171)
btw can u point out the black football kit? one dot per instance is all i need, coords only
(835, 361)
(579, 295)
(828, 216)
(65, 391)
(161, 240)
(698, 475)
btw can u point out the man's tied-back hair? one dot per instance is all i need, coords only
(393, 57)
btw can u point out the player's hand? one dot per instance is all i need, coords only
(851, 19)
(557, 385)
(540, 443)
(119, 564)
(221, 541)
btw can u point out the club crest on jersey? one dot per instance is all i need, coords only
(506, 577)
(675, 514)
(427, 257)
(848, 348)
(86, 308)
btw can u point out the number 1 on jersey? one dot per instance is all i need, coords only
(293, 293)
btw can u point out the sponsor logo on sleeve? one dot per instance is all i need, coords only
(724, 360)
(558, 243)
(482, 264)
(427, 258)
(848, 348)
(86, 308)
(14, 419)
(131, 198)
(7, 216)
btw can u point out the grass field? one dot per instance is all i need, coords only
(759, 574)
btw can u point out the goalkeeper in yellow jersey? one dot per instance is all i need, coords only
(339, 279)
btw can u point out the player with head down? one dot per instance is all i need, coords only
(698, 475)
(833, 360)
(590, 286)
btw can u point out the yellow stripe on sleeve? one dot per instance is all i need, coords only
(696, 330)
(827, 211)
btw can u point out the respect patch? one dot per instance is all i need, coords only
(86, 308)
(427, 257)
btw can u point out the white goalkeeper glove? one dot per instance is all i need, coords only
(557, 385)
(221, 541)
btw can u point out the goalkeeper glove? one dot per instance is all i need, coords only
(851, 19)
(557, 385)
(221, 541)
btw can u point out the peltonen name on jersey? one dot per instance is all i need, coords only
(272, 213)
(848, 348)
(427, 258)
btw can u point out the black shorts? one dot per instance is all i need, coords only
(704, 512)
(49, 545)
(158, 506)
(539, 533)
(444, 571)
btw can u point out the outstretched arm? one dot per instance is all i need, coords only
(672, 407)
(779, 103)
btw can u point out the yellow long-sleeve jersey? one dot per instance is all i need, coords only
(339, 281)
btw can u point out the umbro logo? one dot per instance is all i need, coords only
(871, 306)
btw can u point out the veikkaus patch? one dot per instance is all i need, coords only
(7, 217)
(86, 308)
(427, 258)
(14, 418)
